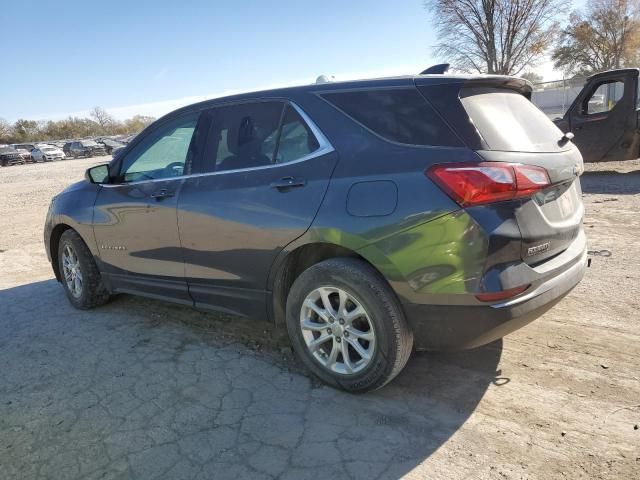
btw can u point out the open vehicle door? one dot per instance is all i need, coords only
(604, 117)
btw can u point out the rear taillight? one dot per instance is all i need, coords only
(487, 182)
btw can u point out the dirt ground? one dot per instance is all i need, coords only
(142, 389)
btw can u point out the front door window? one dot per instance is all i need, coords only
(163, 153)
(604, 98)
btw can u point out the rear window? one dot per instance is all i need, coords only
(399, 115)
(508, 121)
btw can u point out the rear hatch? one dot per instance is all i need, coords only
(495, 118)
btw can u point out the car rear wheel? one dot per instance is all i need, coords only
(347, 325)
(81, 278)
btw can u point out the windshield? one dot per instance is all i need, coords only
(48, 149)
(508, 121)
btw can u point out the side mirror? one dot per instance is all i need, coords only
(97, 175)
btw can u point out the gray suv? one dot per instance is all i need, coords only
(370, 218)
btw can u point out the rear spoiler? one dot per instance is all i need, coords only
(520, 85)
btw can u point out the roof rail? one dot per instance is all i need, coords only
(439, 69)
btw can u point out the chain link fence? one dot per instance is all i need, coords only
(555, 97)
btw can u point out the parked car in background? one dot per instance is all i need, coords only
(603, 119)
(10, 156)
(110, 145)
(84, 148)
(66, 149)
(47, 153)
(24, 146)
(24, 149)
(369, 217)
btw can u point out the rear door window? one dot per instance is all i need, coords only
(508, 121)
(244, 135)
(400, 115)
(257, 134)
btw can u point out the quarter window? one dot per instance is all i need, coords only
(163, 153)
(296, 138)
(399, 115)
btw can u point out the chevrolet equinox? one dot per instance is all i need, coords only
(370, 217)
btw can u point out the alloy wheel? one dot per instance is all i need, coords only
(337, 330)
(71, 271)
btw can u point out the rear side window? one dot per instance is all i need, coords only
(245, 135)
(508, 121)
(257, 134)
(399, 115)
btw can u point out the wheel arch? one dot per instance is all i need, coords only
(296, 261)
(54, 242)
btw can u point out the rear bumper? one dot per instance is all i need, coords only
(443, 327)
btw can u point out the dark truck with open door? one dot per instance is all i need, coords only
(604, 117)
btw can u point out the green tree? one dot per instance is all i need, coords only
(533, 77)
(72, 127)
(25, 130)
(137, 123)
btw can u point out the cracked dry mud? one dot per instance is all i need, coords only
(142, 389)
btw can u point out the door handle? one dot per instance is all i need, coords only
(288, 182)
(162, 194)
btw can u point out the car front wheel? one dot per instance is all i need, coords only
(347, 325)
(81, 278)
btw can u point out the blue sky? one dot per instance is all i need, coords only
(149, 57)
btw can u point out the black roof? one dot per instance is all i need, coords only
(408, 80)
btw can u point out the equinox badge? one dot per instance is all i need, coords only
(543, 247)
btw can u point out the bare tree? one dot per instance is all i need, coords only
(605, 36)
(102, 118)
(494, 36)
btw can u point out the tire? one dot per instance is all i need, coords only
(384, 321)
(4, 163)
(92, 292)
